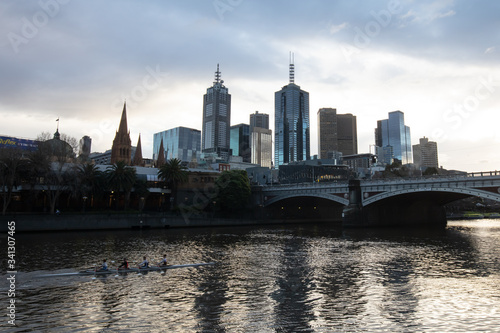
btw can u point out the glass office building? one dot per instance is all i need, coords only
(240, 141)
(262, 146)
(259, 120)
(180, 142)
(291, 121)
(393, 132)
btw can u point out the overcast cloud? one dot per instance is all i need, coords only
(79, 60)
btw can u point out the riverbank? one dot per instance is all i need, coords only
(76, 222)
(469, 215)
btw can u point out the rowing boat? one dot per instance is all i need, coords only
(128, 270)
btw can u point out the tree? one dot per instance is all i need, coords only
(11, 164)
(233, 191)
(121, 178)
(173, 173)
(142, 192)
(90, 181)
(53, 168)
(430, 171)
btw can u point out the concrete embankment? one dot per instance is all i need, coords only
(28, 223)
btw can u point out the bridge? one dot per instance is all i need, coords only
(393, 201)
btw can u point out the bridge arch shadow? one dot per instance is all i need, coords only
(309, 208)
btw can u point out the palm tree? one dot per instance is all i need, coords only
(121, 178)
(173, 172)
(90, 180)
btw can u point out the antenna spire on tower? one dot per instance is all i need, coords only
(292, 69)
(217, 75)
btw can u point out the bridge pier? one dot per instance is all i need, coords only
(397, 212)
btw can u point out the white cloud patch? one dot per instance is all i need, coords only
(336, 28)
(490, 50)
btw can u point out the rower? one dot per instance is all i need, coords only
(163, 261)
(124, 264)
(104, 266)
(144, 263)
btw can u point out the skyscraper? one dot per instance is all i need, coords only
(336, 133)
(425, 154)
(259, 120)
(240, 141)
(393, 132)
(84, 148)
(180, 142)
(327, 132)
(216, 119)
(347, 134)
(262, 146)
(291, 119)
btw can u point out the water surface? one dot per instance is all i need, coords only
(300, 278)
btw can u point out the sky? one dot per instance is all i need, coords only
(78, 61)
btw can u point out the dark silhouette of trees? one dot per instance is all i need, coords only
(11, 167)
(173, 173)
(233, 191)
(121, 179)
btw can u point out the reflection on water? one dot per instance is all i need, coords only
(309, 278)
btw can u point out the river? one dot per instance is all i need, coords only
(286, 278)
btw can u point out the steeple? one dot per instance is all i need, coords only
(56, 134)
(122, 145)
(161, 155)
(123, 121)
(138, 161)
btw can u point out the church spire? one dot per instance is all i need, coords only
(122, 145)
(161, 155)
(123, 121)
(138, 161)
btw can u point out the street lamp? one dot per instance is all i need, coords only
(84, 201)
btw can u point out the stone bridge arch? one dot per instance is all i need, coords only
(338, 199)
(456, 193)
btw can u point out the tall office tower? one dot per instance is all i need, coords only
(262, 146)
(216, 119)
(393, 132)
(259, 120)
(425, 154)
(347, 134)
(85, 144)
(240, 141)
(327, 132)
(180, 142)
(336, 133)
(122, 145)
(291, 121)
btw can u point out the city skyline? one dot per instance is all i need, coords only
(433, 61)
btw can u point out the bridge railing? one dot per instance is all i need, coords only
(388, 180)
(483, 174)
